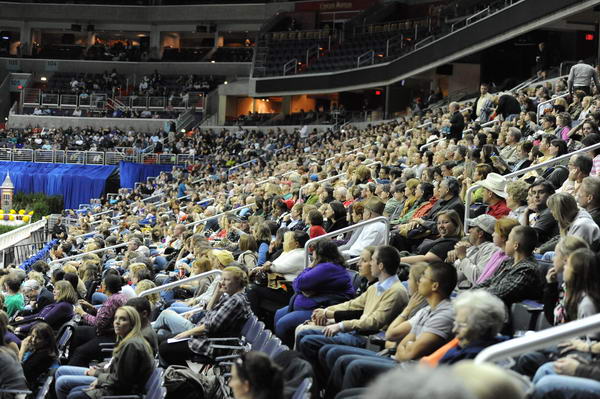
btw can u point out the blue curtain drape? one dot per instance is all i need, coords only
(132, 173)
(76, 183)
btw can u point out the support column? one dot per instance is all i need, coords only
(286, 105)
(25, 38)
(222, 113)
(156, 48)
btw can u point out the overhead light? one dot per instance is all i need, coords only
(212, 62)
(5, 37)
(225, 82)
(43, 78)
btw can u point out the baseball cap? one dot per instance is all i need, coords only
(486, 223)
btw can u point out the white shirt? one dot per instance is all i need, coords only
(290, 264)
(371, 234)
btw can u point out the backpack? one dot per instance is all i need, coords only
(183, 383)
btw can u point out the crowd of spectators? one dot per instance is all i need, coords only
(427, 293)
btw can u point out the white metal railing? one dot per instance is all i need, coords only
(291, 65)
(347, 153)
(539, 339)
(418, 127)
(474, 186)
(217, 215)
(379, 219)
(234, 167)
(68, 258)
(539, 106)
(365, 57)
(332, 178)
(174, 284)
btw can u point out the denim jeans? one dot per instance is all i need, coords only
(548, 384)
(70, 381)
(98, 298)
(171, 321)
(311, 341)
(180, 307)
(286, 323)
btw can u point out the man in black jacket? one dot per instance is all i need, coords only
(37, 296)
(457, 122)
(59, 230)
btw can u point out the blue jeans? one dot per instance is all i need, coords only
(311, 341)
(548, 384)
(71, 381)
(98, 298)
(180, 307)
(286, 323)
(171, 321)
(328, 361)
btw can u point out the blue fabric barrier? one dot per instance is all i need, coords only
(76, 183)
(41, 255)
(132, 173)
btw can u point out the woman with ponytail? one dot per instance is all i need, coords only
(127, 372)
(255, 376)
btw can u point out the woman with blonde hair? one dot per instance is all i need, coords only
(55, 314)
(573, 220)
(130, 368)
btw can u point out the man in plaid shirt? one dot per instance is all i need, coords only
(518, 278)
(227, 312)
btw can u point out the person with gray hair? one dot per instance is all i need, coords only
(413, 383)
(510, 152)
(479, 317)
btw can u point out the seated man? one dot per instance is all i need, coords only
(372, 234)
(470, 257)
(418, 336)
(379, 304)
(519, 279)
(494, 195)
(537, 214)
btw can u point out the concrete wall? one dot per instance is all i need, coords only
(144, 125)
(173, 18)
(126, 68)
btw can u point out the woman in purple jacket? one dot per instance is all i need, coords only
(325, 282)
(55, 314)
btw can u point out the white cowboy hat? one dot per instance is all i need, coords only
(495, 183)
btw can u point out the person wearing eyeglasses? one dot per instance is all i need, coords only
(255, 376)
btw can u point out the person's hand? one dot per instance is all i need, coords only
(566, 366)
(573, 345)
(182, 335)
(91, 371)
(92, 385)
(460, 249)
(266, 266)
(19, 318)
(551, 275)
(319, 317)
(415, 300)
(331, 330)
(451, 256)
(25, 343)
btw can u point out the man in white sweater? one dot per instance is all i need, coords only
(371, 234)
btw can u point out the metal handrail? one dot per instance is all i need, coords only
(331, 178)
(174, 284)
(430, 144)
(217, 215)
(346, 153)
(354, 227)
(549, 101)
(553, 161)
(418, 127)
(240, 165)
(539, 339)
(87, 253)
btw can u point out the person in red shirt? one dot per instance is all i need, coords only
(494, 195)
(315, 218)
